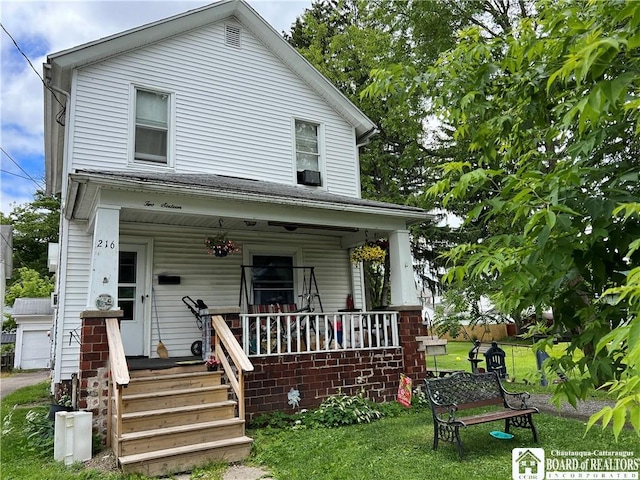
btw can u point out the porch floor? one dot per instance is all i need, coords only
(146, 363)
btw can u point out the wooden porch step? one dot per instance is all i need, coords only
(175, 416)
(176, 381)
(167, 371)
(181, 459)
(180, 436)
(174, 398)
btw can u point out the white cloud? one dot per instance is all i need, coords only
(41, 28)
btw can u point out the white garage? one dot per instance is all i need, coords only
(34, 319)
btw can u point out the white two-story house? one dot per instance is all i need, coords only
(203, 125)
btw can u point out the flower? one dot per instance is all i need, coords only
(212, 361)
(220, 246)
(368, 253)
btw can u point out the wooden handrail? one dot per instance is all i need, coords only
(224, 337)
(230, 343)
(117, 360)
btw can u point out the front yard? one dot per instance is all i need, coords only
(396, 446)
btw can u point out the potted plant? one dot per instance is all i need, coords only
(62, 404)
(369, 252)
(220, 246)
(212, 363)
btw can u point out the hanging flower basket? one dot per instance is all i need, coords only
(368, 253)
(220, 246)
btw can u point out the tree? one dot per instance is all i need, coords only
(345, 40)
(549, 118)
(35, 225)
(29, 283)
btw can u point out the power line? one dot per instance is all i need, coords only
(15, 174)
(31, 65)
(23, 170)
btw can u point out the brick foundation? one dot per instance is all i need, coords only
(316, 376)
(319, 375)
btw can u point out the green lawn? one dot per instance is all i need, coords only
(520, 360)
(401, 448)
(395, 447)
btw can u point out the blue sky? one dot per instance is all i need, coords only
(41, 28)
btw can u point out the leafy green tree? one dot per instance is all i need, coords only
(35, 225)
(345, 40)
(29, 283)
(549, 117)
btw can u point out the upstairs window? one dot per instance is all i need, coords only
(308, 152)
(152, 126)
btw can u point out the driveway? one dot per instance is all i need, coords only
(14, 381)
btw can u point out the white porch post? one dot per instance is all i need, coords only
(403, 283)
(103, 277)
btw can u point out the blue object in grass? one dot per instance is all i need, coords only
(501, 435)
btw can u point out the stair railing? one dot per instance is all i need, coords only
(225, 341)
(119, 376)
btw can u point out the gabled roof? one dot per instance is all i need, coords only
(32, 306)
(60, 65)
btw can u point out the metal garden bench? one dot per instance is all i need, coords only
(462, 391)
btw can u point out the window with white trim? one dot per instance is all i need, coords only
(152, 113)
(308, 152)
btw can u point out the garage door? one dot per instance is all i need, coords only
(35, 349)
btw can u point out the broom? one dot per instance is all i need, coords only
(161, 349)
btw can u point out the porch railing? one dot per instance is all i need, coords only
(119, 377)
(291, 333)
(225, 344)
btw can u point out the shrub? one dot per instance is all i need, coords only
(40, 432)
(338, 410)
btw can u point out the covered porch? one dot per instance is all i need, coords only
(152, 227)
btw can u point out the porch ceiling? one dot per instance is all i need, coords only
(203, 200)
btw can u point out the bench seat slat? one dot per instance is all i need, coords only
(493, 416)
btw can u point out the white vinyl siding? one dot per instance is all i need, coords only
(233, 111)
(181, 252)
(76, 260)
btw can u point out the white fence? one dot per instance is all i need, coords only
(308, 332)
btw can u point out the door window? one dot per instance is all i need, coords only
(127, 272)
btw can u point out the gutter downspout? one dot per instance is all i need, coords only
(60, 281)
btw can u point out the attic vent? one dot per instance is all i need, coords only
(232, 36)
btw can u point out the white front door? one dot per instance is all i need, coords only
(131, 297)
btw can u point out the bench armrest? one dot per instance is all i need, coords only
(451, 410)
(516, 401)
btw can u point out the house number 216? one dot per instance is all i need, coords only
(106, 244)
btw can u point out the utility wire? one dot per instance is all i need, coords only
(15, 174)
(14, 252)
(31, 65)
(23, 170)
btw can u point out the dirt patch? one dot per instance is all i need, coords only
(103, 461)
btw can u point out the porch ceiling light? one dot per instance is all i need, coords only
(293, 226)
